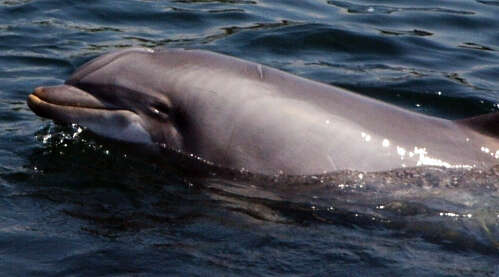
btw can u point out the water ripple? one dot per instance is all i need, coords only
(379, 9)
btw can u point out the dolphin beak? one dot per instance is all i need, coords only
(65, 95)
(66, 104)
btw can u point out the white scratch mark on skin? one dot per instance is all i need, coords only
(332, 162)
(260, 71)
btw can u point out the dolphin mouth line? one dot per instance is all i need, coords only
(35, 100)
(89, 103)
(68, 111)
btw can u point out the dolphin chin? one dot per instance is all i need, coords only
(68, 104)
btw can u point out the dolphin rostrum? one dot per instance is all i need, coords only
(243, 115)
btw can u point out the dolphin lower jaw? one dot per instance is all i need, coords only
(119, 124)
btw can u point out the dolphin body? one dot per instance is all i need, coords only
(242, 115)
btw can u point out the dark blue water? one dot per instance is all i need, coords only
(74, 204)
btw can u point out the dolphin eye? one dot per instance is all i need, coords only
(160, 111)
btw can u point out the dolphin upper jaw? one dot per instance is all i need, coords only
(68, 104)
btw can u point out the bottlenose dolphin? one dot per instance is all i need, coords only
(243, 115)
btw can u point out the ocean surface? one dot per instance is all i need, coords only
(73, 204)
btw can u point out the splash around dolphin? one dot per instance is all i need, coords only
(242, 115)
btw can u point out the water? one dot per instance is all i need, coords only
(74, 204)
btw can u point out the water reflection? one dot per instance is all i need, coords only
(416, 155)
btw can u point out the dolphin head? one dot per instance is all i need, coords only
(118, 108)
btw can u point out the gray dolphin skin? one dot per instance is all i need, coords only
(243, 115)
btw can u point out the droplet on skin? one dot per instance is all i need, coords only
(385, 143)
(401, 151)
(366, 137)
